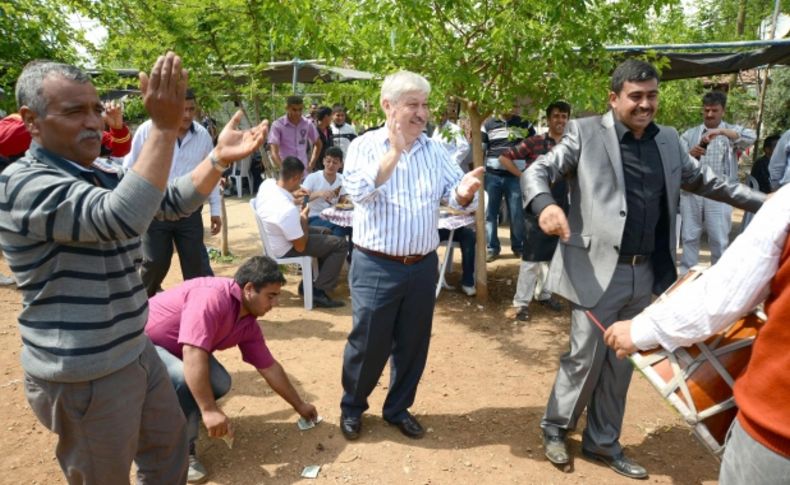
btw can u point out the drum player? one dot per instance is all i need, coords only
(755, 267)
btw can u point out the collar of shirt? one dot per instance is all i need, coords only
(650, 131)
(287, 121)
(382, 137)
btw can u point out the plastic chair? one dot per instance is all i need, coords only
(308, 264)
(446, 262)
(241, 170)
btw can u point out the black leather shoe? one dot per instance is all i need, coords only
(551, 304)
(556, 450)
(619, 463)
(322, 300)
(350, 427)
(409, 426)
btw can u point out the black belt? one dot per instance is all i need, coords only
(633, 259)
(407, 260)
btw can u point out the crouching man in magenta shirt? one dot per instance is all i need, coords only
(189, 322)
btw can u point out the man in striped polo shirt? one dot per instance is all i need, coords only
(396, 177)
(70, 230)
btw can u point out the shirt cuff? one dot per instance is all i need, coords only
(540, 202)
(643, 333)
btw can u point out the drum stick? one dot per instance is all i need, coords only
(603, 329)
(595, 320)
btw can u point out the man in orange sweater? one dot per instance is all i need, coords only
(755, 267)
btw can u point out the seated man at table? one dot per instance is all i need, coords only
(289, 234)
(466, 237)
(326, 188)
(189, 322)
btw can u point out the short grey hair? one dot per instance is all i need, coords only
(30, 85)
(397, 84)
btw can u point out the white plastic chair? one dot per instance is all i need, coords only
(308, 264)
(446, 262)
(241, 170)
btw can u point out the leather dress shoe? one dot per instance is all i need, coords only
(350, 427)
(551, 304)
(619, 463)
(409, 426)
(556, 450)
(322, 300)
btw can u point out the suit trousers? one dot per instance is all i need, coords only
(220, 385)
(699, 213)
(187, 235)
(392, 316)
(104, 424)
(590, 374)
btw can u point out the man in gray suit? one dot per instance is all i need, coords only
(624, 175)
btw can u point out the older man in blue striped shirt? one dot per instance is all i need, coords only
(396, 177)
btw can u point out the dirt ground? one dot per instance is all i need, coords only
(481, 399)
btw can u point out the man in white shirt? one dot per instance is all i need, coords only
(289, 234)
(325, 188)
(342, 132)
(193, 146)
(450, 136)
(714, 143)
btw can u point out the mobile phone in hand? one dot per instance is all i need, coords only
(305, 200)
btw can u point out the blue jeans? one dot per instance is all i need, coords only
(339, 231)
(466, 237)
(220, 385)
(508, 186)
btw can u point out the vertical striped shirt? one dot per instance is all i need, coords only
(400, 216)
(74, 248)
(191, 149)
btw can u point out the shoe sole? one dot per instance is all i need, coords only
(603, 460)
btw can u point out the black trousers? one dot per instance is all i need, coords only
(187, 236)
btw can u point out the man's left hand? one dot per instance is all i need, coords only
(618, 337)
(216, 225)
(307, 411)
(469, 185)
(113, 115)
(234, 144)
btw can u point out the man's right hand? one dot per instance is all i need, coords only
(553, 222)
(697, 151)
(217, 423)
(164, 92)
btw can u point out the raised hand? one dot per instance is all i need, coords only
(396, 136)
(113, 115)
(234, 144)
(164, 91)
(470, 183)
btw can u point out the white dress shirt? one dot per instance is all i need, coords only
(736, 284)
(400, 216)
(451, 137)
(192, 149)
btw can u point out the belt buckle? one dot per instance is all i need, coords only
(634, 259)
(406, 260)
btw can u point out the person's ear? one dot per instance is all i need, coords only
(30, 119)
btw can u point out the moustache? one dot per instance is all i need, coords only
(89, 134)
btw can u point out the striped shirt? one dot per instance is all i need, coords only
(192, 149)
(721, 153)
(400, 216)
(74, 248)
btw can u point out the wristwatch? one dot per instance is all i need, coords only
(216, 164)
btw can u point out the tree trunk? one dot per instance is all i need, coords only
(224, 231)
(481, 276)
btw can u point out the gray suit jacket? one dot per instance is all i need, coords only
(588, 158)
